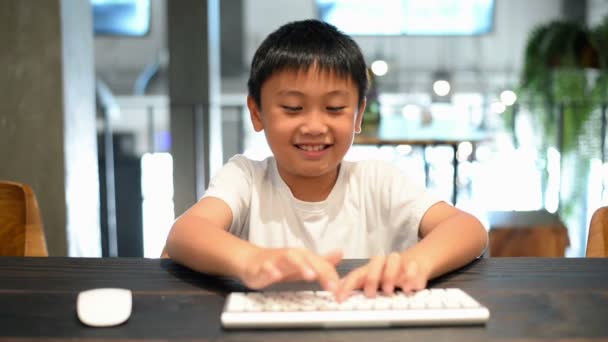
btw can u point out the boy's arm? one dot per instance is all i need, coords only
(451, 238)
(200, 240)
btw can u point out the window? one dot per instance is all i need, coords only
(121, 17)
(409, 17)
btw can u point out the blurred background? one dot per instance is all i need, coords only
(117, 112)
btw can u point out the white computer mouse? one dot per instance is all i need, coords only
(104, 307)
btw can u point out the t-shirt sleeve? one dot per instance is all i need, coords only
(232, 184)
(406, 202)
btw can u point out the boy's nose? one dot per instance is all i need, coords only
(314, 124)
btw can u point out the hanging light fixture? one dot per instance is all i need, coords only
(508, 97)
(442, 86)
(379, 67)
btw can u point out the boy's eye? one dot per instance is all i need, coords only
(292, 109)
(335, 109)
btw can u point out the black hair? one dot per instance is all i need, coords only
(301, 44)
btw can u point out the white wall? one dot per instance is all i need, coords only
(264, 16)
(596, 11)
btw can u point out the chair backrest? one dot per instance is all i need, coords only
(597, 242)
(21, 232)
(537, 233)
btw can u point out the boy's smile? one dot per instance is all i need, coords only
(309, 118)
(313, 151)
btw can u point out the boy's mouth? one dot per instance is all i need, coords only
(312, 148)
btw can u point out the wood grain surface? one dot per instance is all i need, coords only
(597, 242)
(530, 299)
(21, 230)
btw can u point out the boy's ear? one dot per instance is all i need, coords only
(255, 114)
(359, 117)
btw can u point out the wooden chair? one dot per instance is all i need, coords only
(21, 232)
(597, 241)
(527, 234)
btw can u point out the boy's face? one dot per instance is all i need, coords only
(309, 118)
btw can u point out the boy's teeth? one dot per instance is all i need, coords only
(312, 147)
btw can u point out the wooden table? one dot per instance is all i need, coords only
(530, 299)
(395, 130)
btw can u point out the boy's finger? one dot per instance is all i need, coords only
(411, 269)
(373, 276)
(326, 272)
(353, 280)
(413, 285)
(295, 262)
(412, 281)
(334, 257)
(391, 271)
(267, 275)
(287, 268)
(270, 269)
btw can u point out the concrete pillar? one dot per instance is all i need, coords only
(47, 116)
(575, 10)
(194, 91)
(231, 38)
(234, 77)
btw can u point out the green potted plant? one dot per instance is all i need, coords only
(564, 79)
(371, 116)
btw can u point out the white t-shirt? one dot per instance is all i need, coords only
(373, 208)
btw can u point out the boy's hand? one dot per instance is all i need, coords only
(272, 265)
(389, 272)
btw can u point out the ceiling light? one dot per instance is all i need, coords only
(441, 87)
(379, 67)
(508, 97)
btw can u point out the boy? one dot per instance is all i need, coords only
(295, 215)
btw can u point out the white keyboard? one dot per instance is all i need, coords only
(308, 309)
